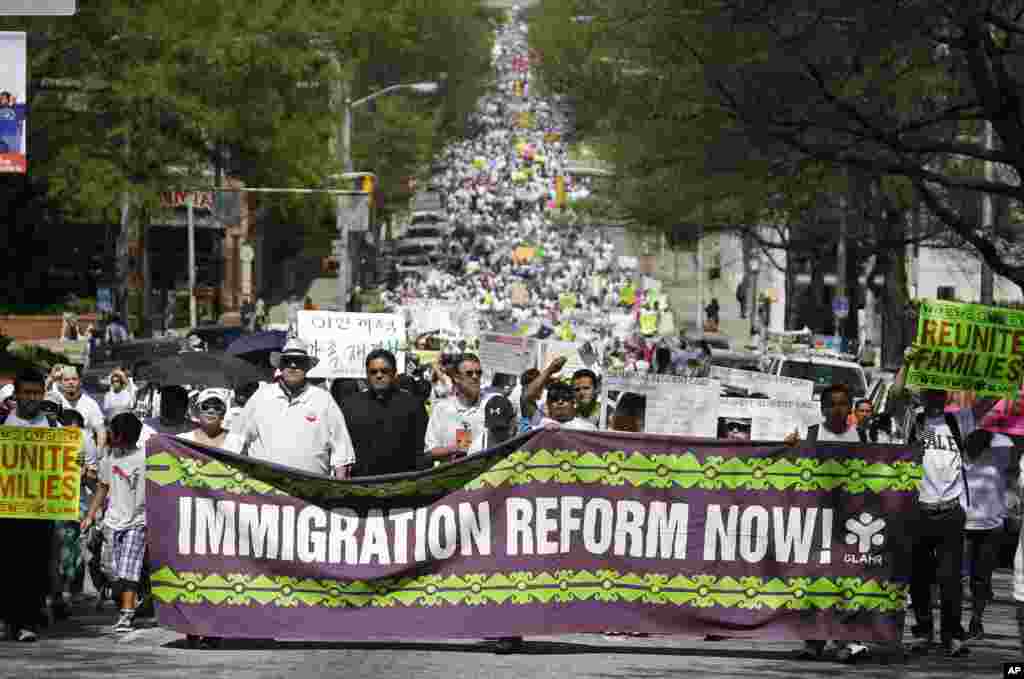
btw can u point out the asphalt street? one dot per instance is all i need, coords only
(82, 647)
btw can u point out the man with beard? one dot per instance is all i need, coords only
(386, 423)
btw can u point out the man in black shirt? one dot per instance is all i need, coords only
(387, 425)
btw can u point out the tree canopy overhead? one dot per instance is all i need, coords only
(727, 112)
(125, 91)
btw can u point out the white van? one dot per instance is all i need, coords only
(823, 369)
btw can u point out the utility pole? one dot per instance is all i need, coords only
(192, 315)
(700, 278)
(987, 221)
(342, 109)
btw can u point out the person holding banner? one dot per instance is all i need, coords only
(387, 424)
(294, 423)
(561, 409)
(28, 574)
(457, 421)
(939, 526)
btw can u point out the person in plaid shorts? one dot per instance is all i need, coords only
(122, 479)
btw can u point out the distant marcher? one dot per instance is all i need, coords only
(74, 397)
(121, 395)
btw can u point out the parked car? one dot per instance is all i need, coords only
(128, 355)
(428, 217)
(216, 337)
(822, 368)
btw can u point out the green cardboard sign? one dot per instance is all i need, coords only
(968, 347)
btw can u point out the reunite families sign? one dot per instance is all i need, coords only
(556, 531)
(968, 347)
(40, 473)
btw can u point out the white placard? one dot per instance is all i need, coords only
(763, 419)
(772, 386)
(508, 354)
(342, 340)
(675, 405)
(431, 315)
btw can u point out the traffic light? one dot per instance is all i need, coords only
(368, 188)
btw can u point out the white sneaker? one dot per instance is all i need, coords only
(125, 622)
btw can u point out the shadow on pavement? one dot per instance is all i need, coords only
(528, 648)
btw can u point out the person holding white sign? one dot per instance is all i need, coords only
(293, 423)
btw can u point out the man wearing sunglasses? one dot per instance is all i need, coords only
(560, 408)
(457, 421)
(293, 423)
(387, 424)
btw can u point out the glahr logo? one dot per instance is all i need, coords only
(866, 532)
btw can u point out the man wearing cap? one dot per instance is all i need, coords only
(293, 423)
(387, 424)
(499, 424)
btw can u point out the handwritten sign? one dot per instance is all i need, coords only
(772, 386)
(762, 419)
(675, 405)
(342, 340)
(40, 473)
(968, 347)
(507, 353)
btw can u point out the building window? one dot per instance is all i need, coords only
(947, 292)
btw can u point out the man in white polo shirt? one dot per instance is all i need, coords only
(294, 423)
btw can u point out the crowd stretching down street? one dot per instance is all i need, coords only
(523, 272)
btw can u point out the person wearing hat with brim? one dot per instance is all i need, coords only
(210, 411)
(293, 423)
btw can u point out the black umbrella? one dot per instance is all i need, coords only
(201, 368)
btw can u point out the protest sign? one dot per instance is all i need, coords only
(40, 473)
(557, 531)
(675, 405)
(552, 349)
(763, 419)
(507, 353)
(567, 301)
(772, 386)
(431, 315)
(342, 340)
(968, 347)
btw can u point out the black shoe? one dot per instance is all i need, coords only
(507, 644)
(60, 609)
(976, 630)
(955, 648)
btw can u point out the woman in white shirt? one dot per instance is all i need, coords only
(121, 397)
(988, 458)
(212, 406)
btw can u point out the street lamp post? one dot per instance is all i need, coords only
(344, 150)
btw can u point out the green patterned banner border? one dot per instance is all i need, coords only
(639, 470)
(524, 587)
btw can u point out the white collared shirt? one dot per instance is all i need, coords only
(307, 432)
(451, 414)
(90, 411)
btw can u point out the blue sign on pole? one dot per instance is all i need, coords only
(841, 306)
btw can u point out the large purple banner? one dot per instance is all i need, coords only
(555, 532)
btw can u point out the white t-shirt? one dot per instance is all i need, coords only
(851, 435)
(986, 480)
(115, 402)
(450, 416)
(124, 470)
(14, 421)
(90, 411)
(232, 444)
(943, 479)
(574, 423)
